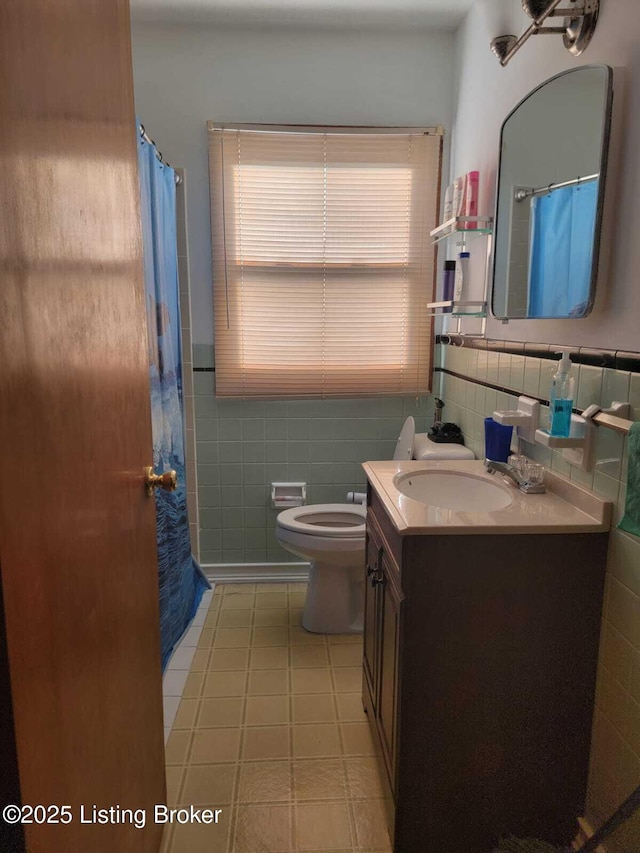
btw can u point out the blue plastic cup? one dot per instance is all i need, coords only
(497, 440)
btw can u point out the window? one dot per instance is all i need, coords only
(322, 261)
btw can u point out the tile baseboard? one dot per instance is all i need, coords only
(256, 572)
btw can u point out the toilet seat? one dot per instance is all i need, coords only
(335, 521)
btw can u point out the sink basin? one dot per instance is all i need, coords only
(453, 490)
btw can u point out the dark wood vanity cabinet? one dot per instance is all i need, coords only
(479, 667)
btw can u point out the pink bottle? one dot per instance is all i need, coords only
(470, 201)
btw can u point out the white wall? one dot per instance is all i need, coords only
(486, 93)
(186, 75)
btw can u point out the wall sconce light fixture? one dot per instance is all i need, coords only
(580, 19)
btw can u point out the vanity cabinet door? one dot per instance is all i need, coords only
(371, 609)
(388, 650)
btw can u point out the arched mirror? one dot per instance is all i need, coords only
(551, 183)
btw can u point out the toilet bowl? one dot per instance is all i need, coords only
(332, 538)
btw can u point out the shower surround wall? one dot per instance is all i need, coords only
(243, 446)
(615, 752)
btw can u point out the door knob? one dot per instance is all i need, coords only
(167, 481)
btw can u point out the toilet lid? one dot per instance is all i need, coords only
(339, 521)
(404, 445)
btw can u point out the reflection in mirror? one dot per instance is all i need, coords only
(550, 195)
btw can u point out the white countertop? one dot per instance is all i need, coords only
(564, 508)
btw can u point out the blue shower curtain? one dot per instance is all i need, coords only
(181, 581)
(562, 237)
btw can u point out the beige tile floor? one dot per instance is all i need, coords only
(271, 731)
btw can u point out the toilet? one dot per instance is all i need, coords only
(332, 538)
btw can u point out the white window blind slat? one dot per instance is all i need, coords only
(322, 261)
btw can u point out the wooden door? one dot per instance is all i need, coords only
(77, 531)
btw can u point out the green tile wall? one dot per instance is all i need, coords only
(243, 446)
(615, 751)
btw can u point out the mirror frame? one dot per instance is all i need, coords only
(604, 159)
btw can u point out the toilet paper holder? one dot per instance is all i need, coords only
(288, 494)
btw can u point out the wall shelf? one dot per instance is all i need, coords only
(463, 225)
(463, 228)
(451, 308)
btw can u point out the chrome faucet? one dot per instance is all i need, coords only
(509, 471)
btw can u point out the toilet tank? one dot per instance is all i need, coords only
(424, 448)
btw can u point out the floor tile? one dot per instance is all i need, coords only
(363, 778)
(347, 679)
(267, 710)
(208, 783)
(271, 657)
(263, 828)
(229, 659)
(370, 824)
(262, 742)
(228, 683)
(268, 681)
(296, 599)
(357, 739)
(266, 588)
(322, 826)
(311, 681)
(319, 779)
(341, 639)
(205, 639)
(177, 747)
(299, 637)
(270, 729)
(349, 654)
(215, 746)
(237, 588)
(313, 708)
(265, 781)
(200, 660)
(304, 657)
(270, 637)
(193, 685)
(271, 600)
(350, 707)
(315, 740)
(202, 838)
(221, 713)
(271, 618)
(235, 619)
(186, 716)
(238, 601)
(232, 638)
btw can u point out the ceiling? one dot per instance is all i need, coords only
(363, 14)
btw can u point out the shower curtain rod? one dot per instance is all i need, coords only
(521, 195)
(143, 133)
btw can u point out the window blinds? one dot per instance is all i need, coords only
(322, 262)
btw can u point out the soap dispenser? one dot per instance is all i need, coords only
(561, 398)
